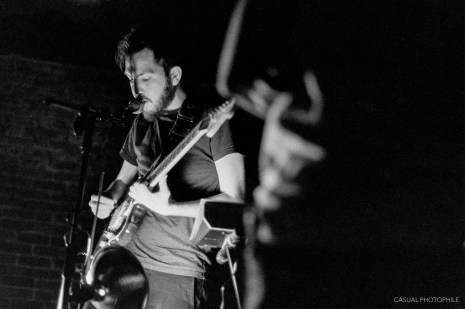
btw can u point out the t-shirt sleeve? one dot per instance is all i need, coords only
(222, 144)
(127, 151)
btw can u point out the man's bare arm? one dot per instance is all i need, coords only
(231, 177)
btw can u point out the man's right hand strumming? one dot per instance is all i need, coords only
(114, 193)
(106, 206)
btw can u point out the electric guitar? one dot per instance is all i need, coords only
(128, 216)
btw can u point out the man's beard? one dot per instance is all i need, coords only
(165, 99)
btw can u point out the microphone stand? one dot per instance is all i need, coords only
(84, 124)
(224, 251)
(233, 279)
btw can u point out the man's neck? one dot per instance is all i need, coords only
(178, 99)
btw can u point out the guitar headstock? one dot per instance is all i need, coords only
(219, 115)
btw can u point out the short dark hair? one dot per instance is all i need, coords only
(140, 37)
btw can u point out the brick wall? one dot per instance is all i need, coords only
(40, 160)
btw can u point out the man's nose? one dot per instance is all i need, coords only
(135, 89)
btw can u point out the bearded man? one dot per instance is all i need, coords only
(211, 170)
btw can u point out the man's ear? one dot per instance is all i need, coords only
(175, 75)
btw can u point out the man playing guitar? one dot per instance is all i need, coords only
(211, 169)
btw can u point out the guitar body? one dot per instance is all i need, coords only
(124, 223)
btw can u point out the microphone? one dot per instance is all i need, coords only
(136, 105)
(229, 242)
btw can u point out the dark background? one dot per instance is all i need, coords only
(86, 32)
(409, 64)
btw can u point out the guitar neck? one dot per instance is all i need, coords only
(154, 175)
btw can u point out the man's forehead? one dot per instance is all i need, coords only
(142, 61)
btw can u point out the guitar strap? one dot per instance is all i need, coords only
(185, 121)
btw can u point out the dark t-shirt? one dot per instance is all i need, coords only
(161, 243)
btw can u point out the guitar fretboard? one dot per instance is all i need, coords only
(154, 173)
